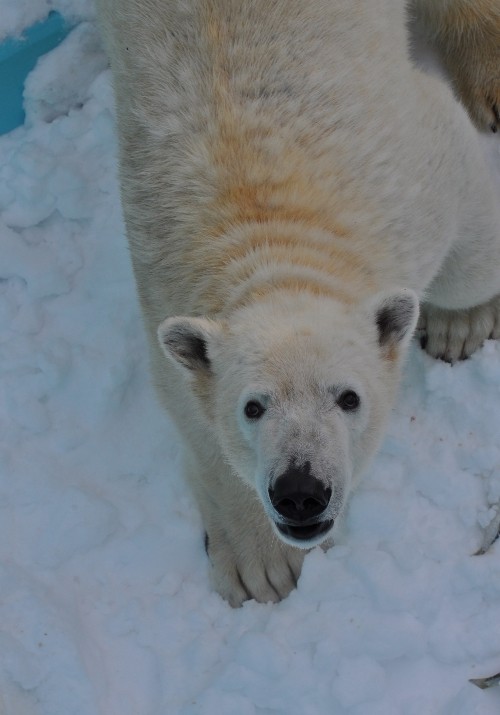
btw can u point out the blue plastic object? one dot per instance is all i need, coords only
(18, 56)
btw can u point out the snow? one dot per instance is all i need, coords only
(105, 606)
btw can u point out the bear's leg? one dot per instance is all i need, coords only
(453, 335)
(467, 35)
(247, 559)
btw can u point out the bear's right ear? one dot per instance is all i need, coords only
(187, 341)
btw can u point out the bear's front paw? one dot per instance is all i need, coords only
(251, 566)
(453, 335)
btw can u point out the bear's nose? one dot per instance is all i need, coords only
(299, 497)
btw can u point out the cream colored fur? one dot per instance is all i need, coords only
(292, 186)
(467, 35)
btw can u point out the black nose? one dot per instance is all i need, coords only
(299, 497)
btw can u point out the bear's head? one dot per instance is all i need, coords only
(297, 390)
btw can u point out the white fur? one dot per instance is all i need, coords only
(305, 108)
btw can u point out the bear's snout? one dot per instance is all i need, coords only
(300, 499)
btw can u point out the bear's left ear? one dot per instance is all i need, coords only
(188, 341)
(396, 316)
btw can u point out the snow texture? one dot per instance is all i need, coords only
(105, 606)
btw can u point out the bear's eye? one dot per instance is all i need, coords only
(254, 410)
(348, 401)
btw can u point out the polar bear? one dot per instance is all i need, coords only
(293, 187)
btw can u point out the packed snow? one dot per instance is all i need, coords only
(105, 605)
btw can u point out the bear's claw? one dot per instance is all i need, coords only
(453, 335)
(245, 571)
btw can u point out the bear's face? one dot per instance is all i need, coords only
(297, 394)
